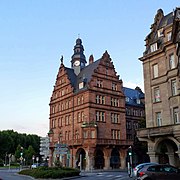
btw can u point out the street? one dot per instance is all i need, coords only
(11, 174)
(101, 175)
(111, 175)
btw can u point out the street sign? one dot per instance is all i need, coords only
(60, 145)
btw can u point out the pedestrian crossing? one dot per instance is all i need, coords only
(110, 176)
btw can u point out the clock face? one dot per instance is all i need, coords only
(76, 63)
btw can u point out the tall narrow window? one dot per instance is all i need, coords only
(155, 70)
(156, 95)
(153, 47)
(114, 86)
(100, 116)
(174, 87)
(99, 83)
(158, 119)
(171, 61)
(169, 36)
(176, 115)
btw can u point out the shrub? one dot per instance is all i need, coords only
(51, 172)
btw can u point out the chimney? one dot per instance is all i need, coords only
(91, 59)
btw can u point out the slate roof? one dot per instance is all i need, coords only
(133, 95)
(84, 76)
(166, 20)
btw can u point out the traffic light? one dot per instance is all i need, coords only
(130, 151)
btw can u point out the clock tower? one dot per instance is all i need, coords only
(78, 58)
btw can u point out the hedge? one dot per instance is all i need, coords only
(50, 172)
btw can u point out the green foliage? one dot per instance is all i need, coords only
(11, 143)
(45, 172)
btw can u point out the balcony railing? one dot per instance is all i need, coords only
(113, 142)
(157, 131)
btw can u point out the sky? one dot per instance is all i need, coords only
(35, 33)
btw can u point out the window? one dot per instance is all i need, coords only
(78, 101)
(100, 99)
(157, 95)
(158, 119)
(176, 115)
(53, 109)
(114, 118)
(60, 120)
(85, 134)
(114, 86)
(160, 32)
(92, 134)
(127, 99)
(100, 116)
(153, 47)
(53, 123)
(115, 134)
(60, 136)
(171, 61)
(155, 70)
(169, 36)
(81, 85)
(79, 117)
(174, 87)
(76, 134)
(114, 102)
(138, 101)
(82, 116)
(66, 135)
(99, 83)
(67, 120)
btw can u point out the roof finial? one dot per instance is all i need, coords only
(61, 59)
(78, 36)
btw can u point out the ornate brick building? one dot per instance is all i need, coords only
(162, 94)
(87, 113)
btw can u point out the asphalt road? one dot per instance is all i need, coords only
(12, 175)
(104, 175)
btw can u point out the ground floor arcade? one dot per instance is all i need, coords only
(163, 147)
(89, 158)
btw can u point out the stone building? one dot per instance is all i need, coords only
(87, 114)
(135, 110)
(162, 94)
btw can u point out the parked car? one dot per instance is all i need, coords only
(140, 166)
(158, 172)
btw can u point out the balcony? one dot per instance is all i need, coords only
(158, 131)
(113, 142)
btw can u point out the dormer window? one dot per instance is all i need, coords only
(81, 85)
(153, 47)
(127, 99)
(169, 36)
(138, 101)
(160, 32)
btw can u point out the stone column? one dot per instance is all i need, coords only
(153, 157)
(171, 159)
(107, 162)
(123, 158)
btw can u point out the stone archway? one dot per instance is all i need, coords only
(81, 158)
(166, 151)
(99, 159)
(115, 159)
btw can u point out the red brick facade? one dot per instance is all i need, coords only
(87, 113)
